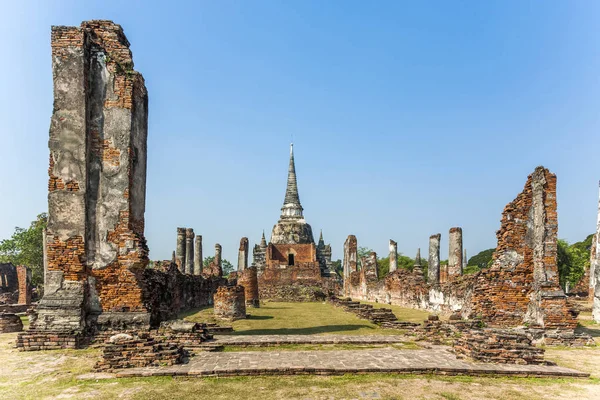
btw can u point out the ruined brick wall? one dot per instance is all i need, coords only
(248, 278)
(95, 246)
(9, 284)
(522, 285)
(230, 303)
(24, 278)
(277, 254)
(169, 292)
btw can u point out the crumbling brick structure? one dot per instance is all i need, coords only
(95, 245)
(230, 303)
(248, 278)
(520, 288)
(9, 284)
(10, 323)
(24, 278)
(215, 268)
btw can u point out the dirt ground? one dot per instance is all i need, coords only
(68, 374)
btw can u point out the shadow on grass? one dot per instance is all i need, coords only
(192, 311)
(593, 332)
(258, 317)
(303, 331)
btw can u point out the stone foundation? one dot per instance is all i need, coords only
(230, 303)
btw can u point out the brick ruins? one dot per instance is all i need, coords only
(15, 286)
(521, 287)
(230, 303)
(96, 276)
(98, 283)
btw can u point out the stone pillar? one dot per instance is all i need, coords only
(198, 255)
(350, 261)
(189, 251)
(465, 259)
(248, 278)
(230, 303)
(44, 255)
(180, 250)
(433, 271)
(243, 254)
(95, 242)
(455, 253)
(595, 268)
(393, 256)
(218, 250)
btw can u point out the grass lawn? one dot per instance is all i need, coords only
(273, 318)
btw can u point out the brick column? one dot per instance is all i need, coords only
(243, 254)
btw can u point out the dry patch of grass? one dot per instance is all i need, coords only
(54, 375)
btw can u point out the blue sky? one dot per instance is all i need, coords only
(408, 118)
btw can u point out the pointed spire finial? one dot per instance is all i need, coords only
(291, 204)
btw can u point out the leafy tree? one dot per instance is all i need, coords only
(481, 259)
(572, 261)
(225, 265)
(26, 247)
(337, 267)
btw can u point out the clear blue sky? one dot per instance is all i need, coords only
(408, 118)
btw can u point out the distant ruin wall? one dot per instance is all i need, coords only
(520, 288)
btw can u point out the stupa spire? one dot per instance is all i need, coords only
(291, 204)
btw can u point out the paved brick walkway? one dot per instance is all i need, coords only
(274, 340)
(436, 361)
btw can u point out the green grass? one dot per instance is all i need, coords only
(274, 318)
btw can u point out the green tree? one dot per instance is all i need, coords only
(225, 265)
(572, 261)
(26, 247)
(337, 267)
(481, 259)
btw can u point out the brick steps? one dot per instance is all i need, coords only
(365, 311)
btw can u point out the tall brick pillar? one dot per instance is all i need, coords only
(189, 251)
(393, 256)
(24, 279)
(198, 255)
(455, 253)
(433, 269)
(95, 245)
(350, 261)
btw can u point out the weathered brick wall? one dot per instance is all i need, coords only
(521, 287)
(230, 303)
(9, 284)
(167, 291)
(277, 254)
(248, 278)
(95, 246)
(24, 278)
